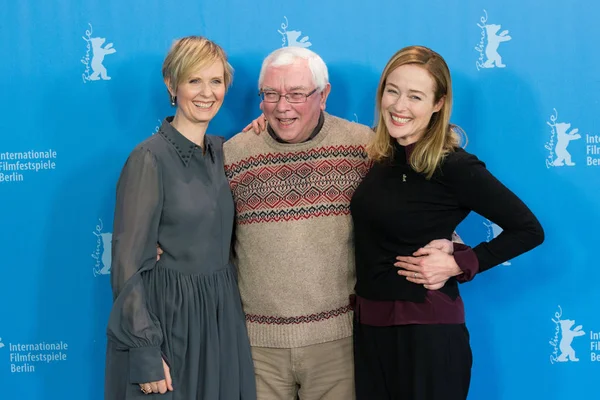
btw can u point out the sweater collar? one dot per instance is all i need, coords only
(314, 133)
(328, 125)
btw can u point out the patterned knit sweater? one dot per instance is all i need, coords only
(293, 236)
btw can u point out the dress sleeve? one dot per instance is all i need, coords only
(135, 233)
(478, 190)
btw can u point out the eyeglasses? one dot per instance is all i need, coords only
(294, 97)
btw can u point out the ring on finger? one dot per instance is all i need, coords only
(415, 275)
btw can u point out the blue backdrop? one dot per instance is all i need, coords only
(81, 85)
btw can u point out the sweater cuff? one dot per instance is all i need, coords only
(145, 365)
(467, 261)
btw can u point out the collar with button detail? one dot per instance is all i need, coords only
(183, 146)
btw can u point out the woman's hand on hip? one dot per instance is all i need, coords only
(444, 245)
(429, 266)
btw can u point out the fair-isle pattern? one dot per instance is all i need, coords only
(293, 236)
(296, 185)
(262, 319)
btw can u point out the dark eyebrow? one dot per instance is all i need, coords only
(410, 90)
(417, 91)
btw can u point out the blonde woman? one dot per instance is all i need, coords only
(177, 330)
(410, 338)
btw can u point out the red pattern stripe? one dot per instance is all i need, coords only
(300, 185)
(302, 319)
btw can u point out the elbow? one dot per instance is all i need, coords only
(538, 235)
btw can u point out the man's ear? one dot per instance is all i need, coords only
(324, 94)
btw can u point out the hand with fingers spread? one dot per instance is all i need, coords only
(258, 125)
(161, 386)
(429, 266)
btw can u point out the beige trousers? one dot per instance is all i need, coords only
(318, 372)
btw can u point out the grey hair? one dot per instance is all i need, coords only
(287, 56)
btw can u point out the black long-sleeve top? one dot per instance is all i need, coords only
(397, 210)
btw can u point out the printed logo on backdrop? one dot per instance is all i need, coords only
(493, 230)
(561, 135)
(566, 344)
(292, 38)
(102, 253)
(28, 357)
(93, 60)
(489, 44)
(15, 166)
(157, 127)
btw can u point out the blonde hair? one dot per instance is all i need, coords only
(189, 54)
(441, 137)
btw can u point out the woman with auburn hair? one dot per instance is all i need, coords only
(177, 330)
(410, 338)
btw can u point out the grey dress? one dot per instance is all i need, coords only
(186, 307)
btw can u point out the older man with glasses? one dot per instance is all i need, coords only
(292, 185)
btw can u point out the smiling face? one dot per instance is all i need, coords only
(408, 102)
(293, 122)
(200, 96)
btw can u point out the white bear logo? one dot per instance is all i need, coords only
(567, 352)
(292, 38)
(493, 232)
(563, 139)
(102, 253)
(94, 57)
(493, 42)
(489, 41)
(99, 53)
(106, 254)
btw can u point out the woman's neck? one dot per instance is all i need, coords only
(194, 132)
